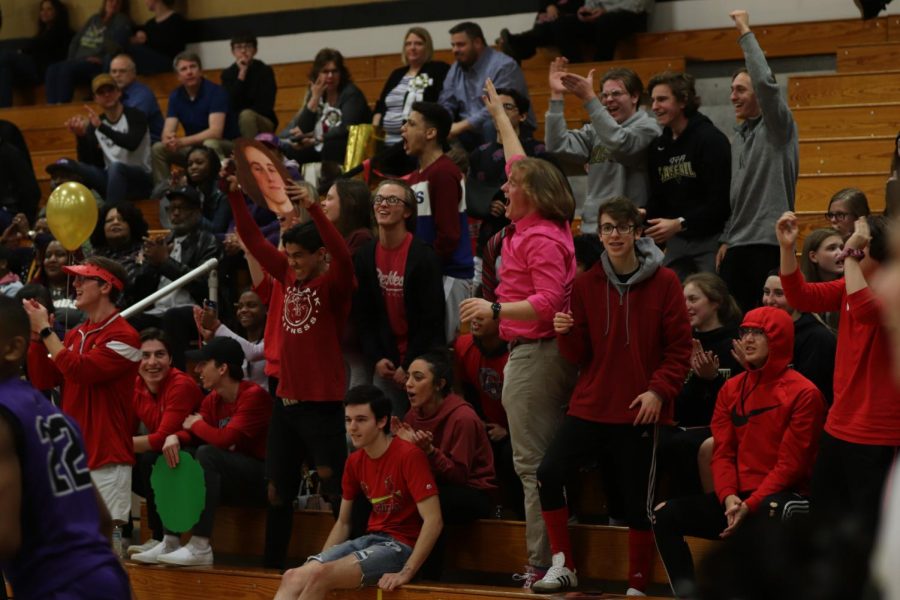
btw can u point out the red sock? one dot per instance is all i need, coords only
(557, 522)
(640, 558)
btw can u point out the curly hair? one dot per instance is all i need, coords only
(132, 216)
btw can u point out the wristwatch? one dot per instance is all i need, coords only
(46, 332)
(495, 308)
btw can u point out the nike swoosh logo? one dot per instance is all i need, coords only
(739, 420)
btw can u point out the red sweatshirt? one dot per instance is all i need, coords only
(272, 295)
(239, 426)
(164, 412)
(310, 362)
(96, 369)
(628, 338)
(866, 408)
(767, 421)
(462, 451)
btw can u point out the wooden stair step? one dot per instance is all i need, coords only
(848, 120)
(536, 78)
(864, 154)
(814, 191)
(844, 88)
(881, 56)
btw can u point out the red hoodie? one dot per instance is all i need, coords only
(866, 408)
(628, 338)
(164, 412)
(462, 451)
(767, 421)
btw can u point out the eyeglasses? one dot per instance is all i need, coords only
(614, 95)
(608, 228)
(754, 331)
(838, 216)
(389, 200)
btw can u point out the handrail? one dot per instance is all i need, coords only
(179, 283)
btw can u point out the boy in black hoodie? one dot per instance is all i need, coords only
(690, 174)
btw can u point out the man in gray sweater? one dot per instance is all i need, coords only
(615, 142)
(764, 162)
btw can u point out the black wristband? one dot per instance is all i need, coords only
(46, 332)
(495, 308)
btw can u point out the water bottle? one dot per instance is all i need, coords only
(118, 547)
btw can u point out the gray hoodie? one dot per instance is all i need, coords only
(650, 259)
(764, 159)
(616, 154)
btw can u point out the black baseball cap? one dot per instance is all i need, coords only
(223, 350)
(191, 194)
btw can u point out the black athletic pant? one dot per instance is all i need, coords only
(745, 269)
(704, 517)
(624, 450)
(140, 485)
(677, 460)
(849, 479)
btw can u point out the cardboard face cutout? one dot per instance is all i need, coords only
(262, 176)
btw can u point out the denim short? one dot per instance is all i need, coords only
(376, 553)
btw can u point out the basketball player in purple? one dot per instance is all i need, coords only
(51, 546)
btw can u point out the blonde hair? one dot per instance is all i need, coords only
(422, 33)
(547, 188)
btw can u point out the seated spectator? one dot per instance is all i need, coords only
(844, 208)
(614, 144)
(136, 94)
(27, 64)
(475, 63)
(393, 475)
(158, 41)
(230, 432)
(163, 398)
(765, 446)
(648, 359)
(119, 235)
(114, 147)
(19, 190)
(453, 437)
(714, 316)
(690, 174)
(201, 108)
(419, 80)
(399, 305)
(201, 175)
(814, 343)
(251, 88)
(105, 33)
(166, 259)
(53, 259)
(250, 313)
(820, 261)
(487, 172)
(348, 205)
(439, 190)
(318, 132)
(863, 425)
(480, 357)
(10, 284)
(570, 25)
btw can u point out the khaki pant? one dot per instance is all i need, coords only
(162, 158)
(536, 389)
(251, 123)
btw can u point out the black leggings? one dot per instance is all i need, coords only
(704, 517)
(625, 451)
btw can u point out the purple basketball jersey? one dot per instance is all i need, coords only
(61, 541)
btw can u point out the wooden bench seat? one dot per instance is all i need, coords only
(882, 56)
(778, 40)
(845, 155)
(536, 78)
(844, 88)
(848, 120)
(814, 191)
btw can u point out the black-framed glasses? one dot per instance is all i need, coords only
(838, 215)
(754, 331)
(608, 228)
(389, 200)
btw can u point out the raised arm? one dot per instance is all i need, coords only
(511, 145)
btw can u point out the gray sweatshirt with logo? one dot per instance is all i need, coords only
(616, 154)
(764, 159)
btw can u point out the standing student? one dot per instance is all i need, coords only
(306, 419)
(536, 277)
(51, 516)
(95, 365)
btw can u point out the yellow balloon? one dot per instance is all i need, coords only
(71, 214)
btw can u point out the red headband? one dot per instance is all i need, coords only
(88, 270)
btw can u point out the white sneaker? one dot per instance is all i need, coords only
(189, 556)
(138, 548)
(151, 556)
(634, 592)
(558, 577)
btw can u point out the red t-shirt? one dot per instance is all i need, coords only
(394, 483)
(485, 374)
(164, 412)
(239, 426)
(272, 294)
(390, 266)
